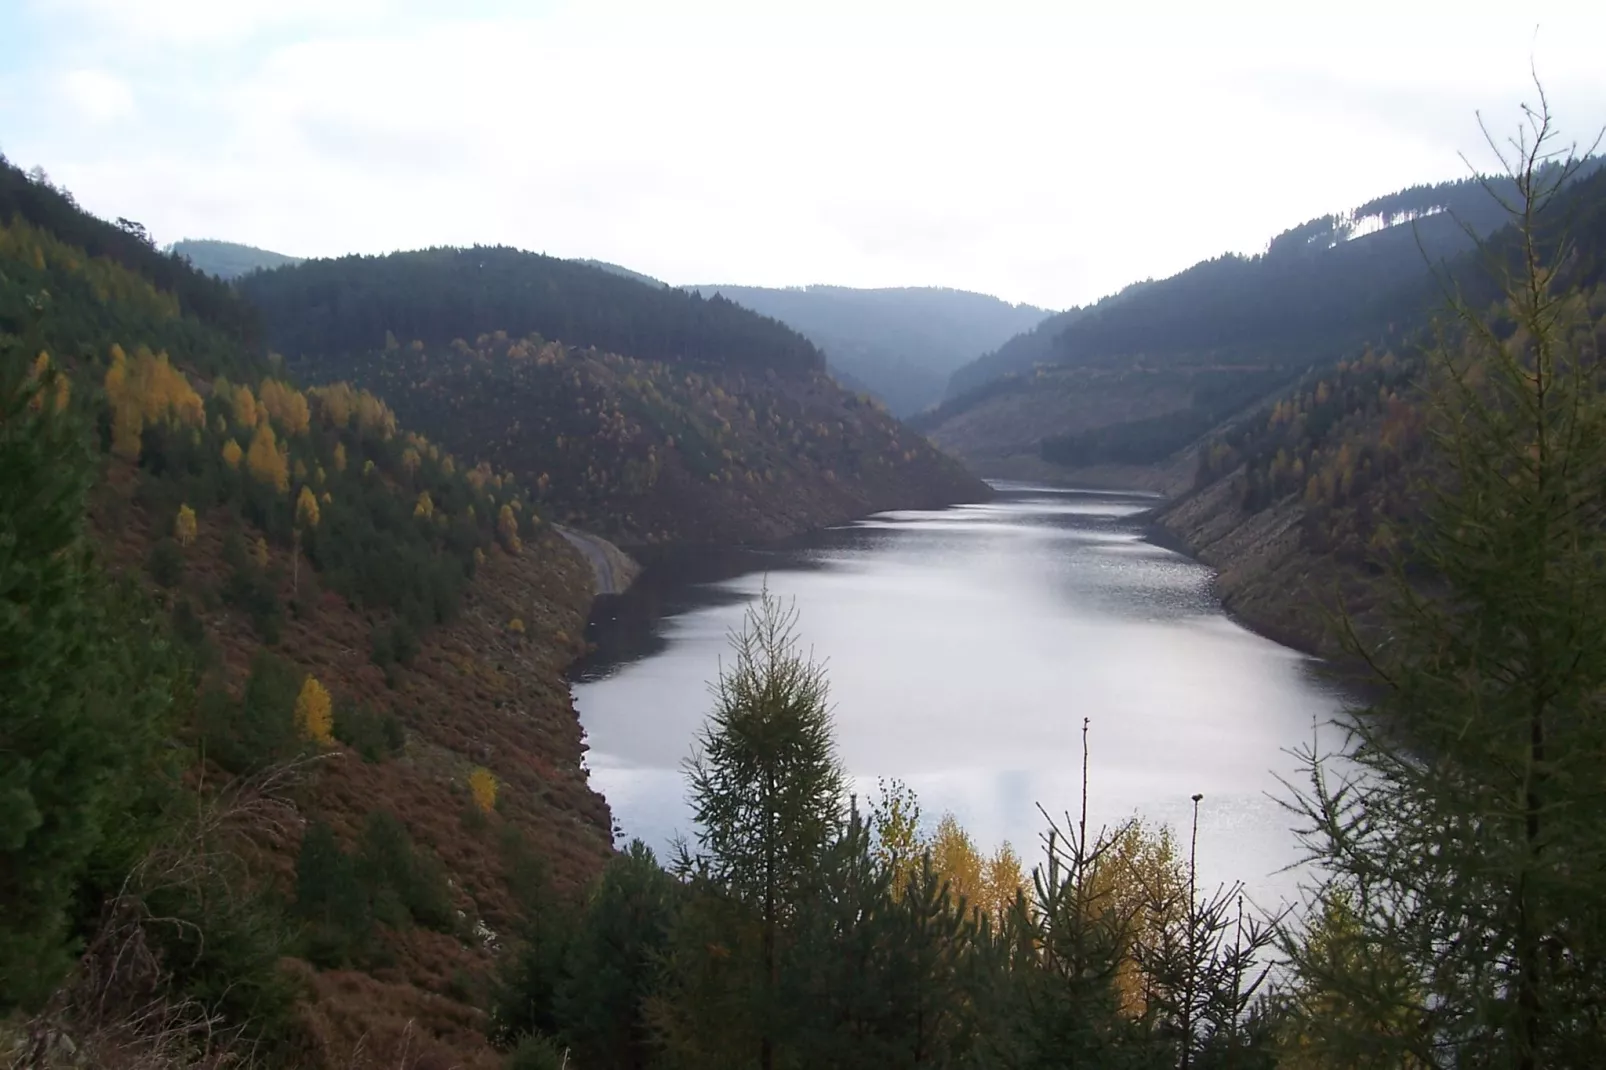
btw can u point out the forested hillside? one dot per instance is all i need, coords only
(901, 344)
(1138, 375)
(1300, 500)
(719, 425)
(227, 259)
(435, 296)
(285, 738)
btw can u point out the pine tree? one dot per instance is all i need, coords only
(613, 962)
(89, 695)
(766, 789)
(1469, 845)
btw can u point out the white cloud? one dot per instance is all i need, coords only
(1017, 149)
(98, 96)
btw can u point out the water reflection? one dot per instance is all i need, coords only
(964, 648)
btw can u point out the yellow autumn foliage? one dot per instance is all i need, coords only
(232, 453)
(184, 525)
(244, 404)
(307, 508)
(266, 463)
(337, 403)
(286, 406)
(507, 529)
(425, 506)
(374, 416)
(482, 786)
(42, 370)
(315, 712)
(144, 390)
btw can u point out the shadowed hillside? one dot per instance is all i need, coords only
(658, 416)
(1139, 374)
(899, 344)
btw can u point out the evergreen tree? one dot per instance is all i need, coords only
(87, 692)
(1466, 854)
(613, 962)
(766, 789)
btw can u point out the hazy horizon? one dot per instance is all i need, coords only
(1025, 153)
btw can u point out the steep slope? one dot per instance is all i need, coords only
(1175, 356)
(284, 537)
(227, 259)
(718, 425)
(900, 343)
(1299, 502)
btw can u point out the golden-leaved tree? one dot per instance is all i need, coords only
(143, 391)
(482, 785)
(306, 508)
(286, 405)
(315, 712)
(507, 528)
(265, 461)
(184, 526)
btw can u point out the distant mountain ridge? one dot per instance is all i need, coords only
(898, 344)
(227, 259)
(901, 343)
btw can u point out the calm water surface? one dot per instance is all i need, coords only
(964, 646)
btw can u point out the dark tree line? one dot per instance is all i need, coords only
(1312, 297)
(326, 307)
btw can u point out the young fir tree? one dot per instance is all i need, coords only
(87, 694)
(1465, 855)
(613, 960)
(766, 789)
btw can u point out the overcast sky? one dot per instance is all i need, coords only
(1022, 150)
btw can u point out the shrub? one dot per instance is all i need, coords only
(536, 1052)
(374, 736)
(260, 729)
(167, 562)
(404, 883)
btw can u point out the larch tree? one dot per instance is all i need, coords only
(315, 712)
(482, 788)
(766, 790)
(264, 460)
(1466, 846)
(184, 526)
